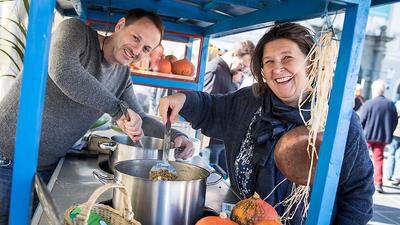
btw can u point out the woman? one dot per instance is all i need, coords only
(393, 159)
(251, 121)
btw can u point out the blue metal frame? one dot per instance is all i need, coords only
(339, 115)
(31, 103)
(259, 18)
(161, 82)
(165, 7)
(203, 59)
(189, 47)
(171, 26)
(382, 2)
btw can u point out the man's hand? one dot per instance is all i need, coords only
(187, 146)
(132, 126)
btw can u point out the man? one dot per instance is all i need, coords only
(88, 76)
(223, 75)
(379, 120)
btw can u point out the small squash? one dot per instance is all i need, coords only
(222, 219)
(291, 155)
(164, 66)
(183, 67)
(254, 211)
(269, 222)
(171, 58)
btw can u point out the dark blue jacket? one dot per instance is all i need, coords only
(227, 117)
(379, 119)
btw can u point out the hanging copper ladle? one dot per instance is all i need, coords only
(292, 158)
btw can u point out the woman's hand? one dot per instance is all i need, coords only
(132, 126)
(175, 102)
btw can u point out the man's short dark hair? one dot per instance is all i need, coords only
(135, 14)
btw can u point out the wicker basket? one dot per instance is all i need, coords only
(112, 216)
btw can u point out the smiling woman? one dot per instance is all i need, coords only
(250, 121)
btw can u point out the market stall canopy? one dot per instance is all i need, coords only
(205, 17)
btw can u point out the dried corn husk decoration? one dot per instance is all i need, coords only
(321, 63)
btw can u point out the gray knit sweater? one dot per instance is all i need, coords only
(81, 87)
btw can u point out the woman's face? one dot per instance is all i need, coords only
(284, 70)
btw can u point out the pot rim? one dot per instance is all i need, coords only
(207, 173)
(115, 138)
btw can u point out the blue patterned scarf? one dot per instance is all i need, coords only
(269, 123)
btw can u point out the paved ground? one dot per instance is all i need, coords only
(387, 206)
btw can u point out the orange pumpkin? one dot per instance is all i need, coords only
(222, 219)
(183, 67)
(164, 66)
(171, 58)
(269, 222)
(254, 211)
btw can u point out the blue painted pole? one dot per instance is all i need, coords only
(31, 103)
(339, 115)
(203, 62)
(164, 83)
(189, 49)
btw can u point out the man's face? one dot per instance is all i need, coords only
(134, 41)
(238, 66)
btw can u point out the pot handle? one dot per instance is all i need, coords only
(218, 180)
(127, 212)
(103, 177)
(108, 146)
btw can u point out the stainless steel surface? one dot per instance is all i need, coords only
(126, 149)
(47, 201)
(103, 177)
(75, 183)
(162, 202)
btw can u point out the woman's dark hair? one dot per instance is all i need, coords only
(137, 13)
(292, 31)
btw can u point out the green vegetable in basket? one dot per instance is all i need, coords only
(94, 218)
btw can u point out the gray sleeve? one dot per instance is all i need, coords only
(68, 43)
(151, 126)
(209, 78)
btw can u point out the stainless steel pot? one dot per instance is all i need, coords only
(121, 148)
(162, 202)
